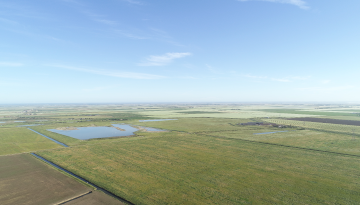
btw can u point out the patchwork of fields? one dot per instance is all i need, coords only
(190, 169)
(205, 156)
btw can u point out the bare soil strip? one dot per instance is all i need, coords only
(73, 198)
(95, 198)
(326, 120)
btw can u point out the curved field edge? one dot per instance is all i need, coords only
(192, 169)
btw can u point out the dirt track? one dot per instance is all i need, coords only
(326, 120)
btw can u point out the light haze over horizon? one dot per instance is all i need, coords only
(119, 51)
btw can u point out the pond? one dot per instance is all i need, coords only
(2, 122)
(264, 133)
(85, 133)
(157, 120)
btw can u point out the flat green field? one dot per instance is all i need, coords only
(196, 124)
(308, 112)
(19, 139)
(299, 138)
(203, 113)
(346, 129)
(180, 168)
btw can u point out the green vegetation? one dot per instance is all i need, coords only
(299, 138)
(180, 168)
(19, 139)
(205, 157)
(302, 112)
(327, 127)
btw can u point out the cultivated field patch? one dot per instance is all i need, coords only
(299, 138)
(181, 168)
(19, 140)
(27, 181)
(326, 120)
(95, 198)
(337, 128)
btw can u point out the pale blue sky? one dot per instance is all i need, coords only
(114, 51)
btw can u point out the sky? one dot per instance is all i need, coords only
(125, 51)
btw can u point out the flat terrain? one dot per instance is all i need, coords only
(25, 180)
(19, 139)
(326, 120)
(180, 168)
(205, 157)
(95, 198)
(326, 127)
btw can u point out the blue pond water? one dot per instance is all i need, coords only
(2, 122)
(264, 133)
(85, 133)
(156, 120)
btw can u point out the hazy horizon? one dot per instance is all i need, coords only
(77, 51)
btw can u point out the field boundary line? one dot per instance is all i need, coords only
(73, 198)
(288, 146)
(49, 138)
(82, 179)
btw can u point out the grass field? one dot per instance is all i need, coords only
(306, 112)
(180, 168)
(299, 138)
(196, 124)
(206, 113)
(27, 181)
(346, 129)
(19, 139)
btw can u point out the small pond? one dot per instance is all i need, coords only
(264, 133)
(85, 133)
(2, 122)
(157, 120)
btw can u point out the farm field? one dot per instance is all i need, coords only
(308, 139)
(338, 128)
(310, 112)
(180, 168)
(224, 114)
(204, 157)
(26, 180)
(326, 120)
(20, 139)
(95, 198)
